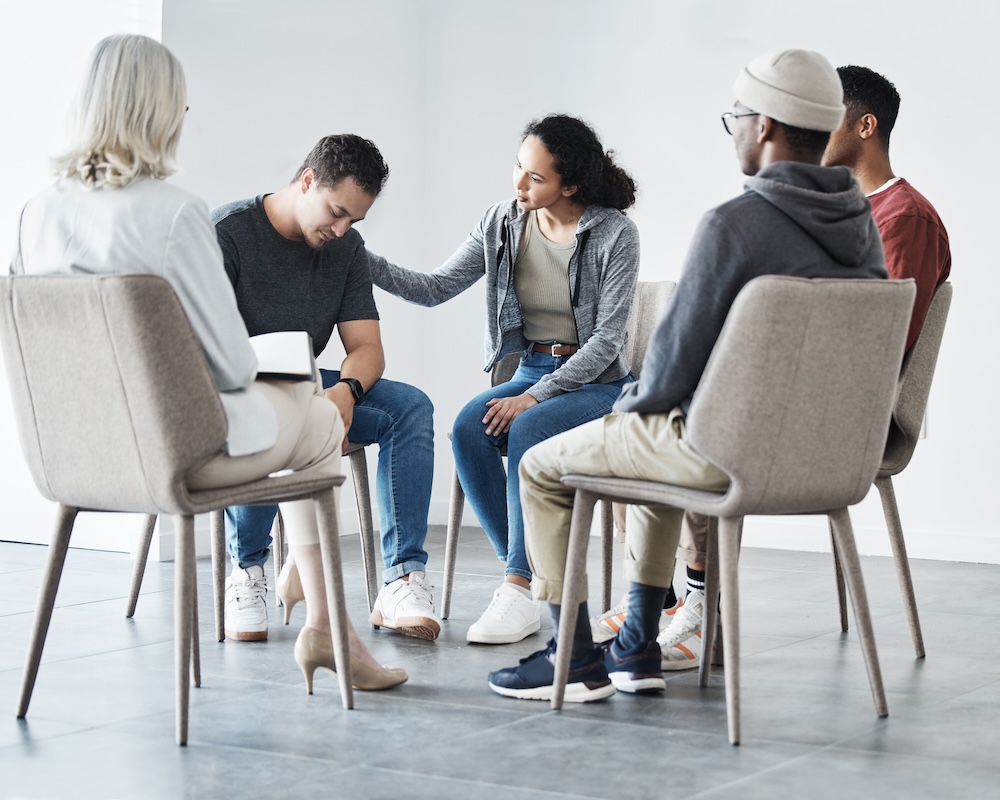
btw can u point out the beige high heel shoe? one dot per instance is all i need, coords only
(315, 649)
(289, 587)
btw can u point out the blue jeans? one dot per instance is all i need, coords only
(400, 418)
(494, 495)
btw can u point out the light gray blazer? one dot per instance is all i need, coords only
(152, 227)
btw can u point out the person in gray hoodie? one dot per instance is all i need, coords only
(795, 218)
(561, 262)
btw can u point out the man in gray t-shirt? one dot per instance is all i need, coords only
(296, 263)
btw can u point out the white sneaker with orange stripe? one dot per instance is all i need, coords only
(606, 626)
(680, 641)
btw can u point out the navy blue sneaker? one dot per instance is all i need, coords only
(637, 670)
(532, 679)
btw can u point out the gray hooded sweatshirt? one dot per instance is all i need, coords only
(602, 277)
(793, 219)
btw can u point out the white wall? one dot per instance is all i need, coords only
(444, 87)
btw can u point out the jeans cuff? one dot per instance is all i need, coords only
(521, 573)
(397, 571)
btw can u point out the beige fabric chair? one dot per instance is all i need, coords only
(651, 298)
(794, 406)
(115, 407)
(904, 431)
(220, 560)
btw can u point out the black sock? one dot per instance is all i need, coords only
(583, 640)
(642, 620)
(671, 599)
(695, 580)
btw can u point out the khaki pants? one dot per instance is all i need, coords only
(310, 431)
(642, 446)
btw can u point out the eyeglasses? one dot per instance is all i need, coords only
(730, 115)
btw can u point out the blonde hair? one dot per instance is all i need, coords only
(126, 119)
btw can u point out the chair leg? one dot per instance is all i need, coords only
(278, 550)
(184, 589)
(729, 560)
(456, 508)
(362, 492)
(46, 602)
(576, 568)
(843, 531)
(895, 525)
(329, 545)
(218, 533)
(141, 557)
(838, 571)
(607, 552)
(195, 639)
(709, 618)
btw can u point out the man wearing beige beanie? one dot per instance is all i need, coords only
(794, 218)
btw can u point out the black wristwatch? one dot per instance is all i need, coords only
(357, 390)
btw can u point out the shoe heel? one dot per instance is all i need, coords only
(308, 668)
(289, 588)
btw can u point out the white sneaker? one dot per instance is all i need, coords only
(680, 641)
(606, 626)
(509, 618)
(408, 607)
(246, 605)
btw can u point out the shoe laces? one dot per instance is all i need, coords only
(249, 590)
(419, 589)
(501, 604)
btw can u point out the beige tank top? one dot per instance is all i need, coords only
(541, 284)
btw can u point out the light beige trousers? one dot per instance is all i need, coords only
(310, 431)
(642, 446)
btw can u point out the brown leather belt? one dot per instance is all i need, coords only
(555, 350)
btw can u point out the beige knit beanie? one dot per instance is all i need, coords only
(797, 87)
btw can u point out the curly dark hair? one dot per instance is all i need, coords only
(345, 155)
(806, 142)
(581, 161)
(867, 92)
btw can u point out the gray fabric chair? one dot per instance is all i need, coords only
(904, 431)
(651, 298)
(794, 406)
(115, 407)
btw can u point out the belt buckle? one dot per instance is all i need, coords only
(553, 348)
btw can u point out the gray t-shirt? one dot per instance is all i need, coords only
(283, 285)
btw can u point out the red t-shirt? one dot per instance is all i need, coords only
(915, 244)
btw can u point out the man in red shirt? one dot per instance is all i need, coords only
(916, 246)
(913, 236)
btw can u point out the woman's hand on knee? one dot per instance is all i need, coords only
(504, 410)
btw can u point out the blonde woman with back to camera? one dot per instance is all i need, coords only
(109, 211)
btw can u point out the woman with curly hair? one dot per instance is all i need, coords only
(561, 260)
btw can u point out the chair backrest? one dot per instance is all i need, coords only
(915, 385)
(651, 298)
(795, 401)
(112, 395)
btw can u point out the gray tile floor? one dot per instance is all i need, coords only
(101, 720)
